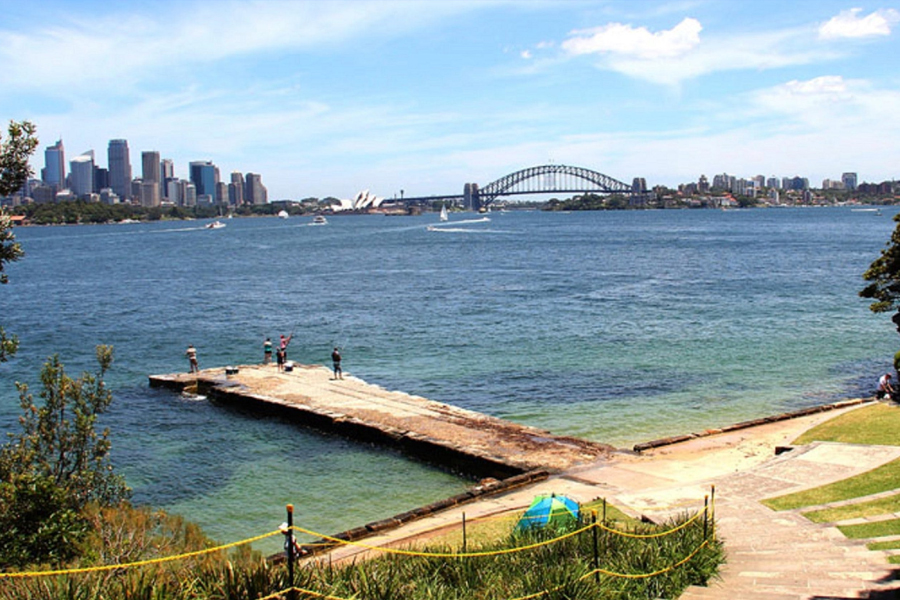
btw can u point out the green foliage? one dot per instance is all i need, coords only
(884, 276)
(56, 466)
(562, 567)
(14, 154)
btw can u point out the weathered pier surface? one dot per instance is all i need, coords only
(460, 439)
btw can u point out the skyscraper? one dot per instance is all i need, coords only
(54, 171)
(150, 174)
(254, 190)
(204, 175)
(120, 168)
(166, 172)
(236, 189)
(82, 177)
(849, 180)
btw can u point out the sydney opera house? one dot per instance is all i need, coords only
(363, 201)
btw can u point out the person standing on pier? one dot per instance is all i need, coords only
(336, 361)
(267, 351)
(284, 344)
(191, 353)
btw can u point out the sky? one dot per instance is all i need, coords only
(328, 98)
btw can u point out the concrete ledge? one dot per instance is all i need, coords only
(752, 423)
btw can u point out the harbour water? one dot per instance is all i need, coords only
(615, 326)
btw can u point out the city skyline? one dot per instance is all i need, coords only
(325, 99)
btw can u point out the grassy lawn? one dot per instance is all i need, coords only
(883, 479)
(871, 530)
(871, 508)
(878, 423)
(874, 424)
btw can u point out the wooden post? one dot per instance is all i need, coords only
(705, 516)
(464, 546)
(712, 504)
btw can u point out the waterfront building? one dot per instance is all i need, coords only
(849, 180)
(189, 194)
(150, 166)
(149, 193)
(773, 183)
(175, 191)
(108, 196)
(236, 189)
(254, 190)
(703, 185)
(166, 172)
(54, 171)
(638, 185)
(101, 178)
(221, 192)
(119, 162)
(82, 174)
(204, 175)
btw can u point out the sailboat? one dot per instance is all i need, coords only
(444, 216)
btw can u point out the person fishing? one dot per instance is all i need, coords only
(336, 362)
(191, 354)
(267, 351)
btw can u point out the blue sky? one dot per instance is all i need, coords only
(329, 98)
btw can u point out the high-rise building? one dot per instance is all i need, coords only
(101, 178)
(850, 182)
(638, 185)
(54, 171)
(151, 167)
(254, 190)
(82, 177)
(703, 184)
(120, 169)
(236, 189)
(166, 172)
(204, 175)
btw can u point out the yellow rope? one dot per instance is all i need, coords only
(140, 563)
(653, 535)
(444, 554)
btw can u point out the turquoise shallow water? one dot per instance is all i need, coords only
(616, 326)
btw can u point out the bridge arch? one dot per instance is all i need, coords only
(549, 179)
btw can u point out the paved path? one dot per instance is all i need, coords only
(770, 555)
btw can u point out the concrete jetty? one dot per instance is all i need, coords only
(462, 440)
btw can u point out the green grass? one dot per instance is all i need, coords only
(889, 545)
(881, 479)
(871, 530)
(891, 504)
(877, 424)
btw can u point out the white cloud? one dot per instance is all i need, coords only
(619, 39)
(526, 54)
(848, 24)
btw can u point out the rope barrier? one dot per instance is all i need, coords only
(139, 563)
(653, 535)
(445, 554)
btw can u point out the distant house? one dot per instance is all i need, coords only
(18, 219)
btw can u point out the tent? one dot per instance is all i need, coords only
(549, 510)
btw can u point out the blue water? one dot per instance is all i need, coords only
(615, 326)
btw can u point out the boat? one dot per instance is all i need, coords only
(283, 214)
(319, 220)
(215, 225)
(444, 216)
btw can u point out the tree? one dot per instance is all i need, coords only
(14, 172)
(884, 275)
(14, 155)
(56, 466)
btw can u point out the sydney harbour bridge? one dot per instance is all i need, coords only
(544, 179)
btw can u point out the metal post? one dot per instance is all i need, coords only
(290, 549)
(604, 512)
(712, 503)
(596, 547)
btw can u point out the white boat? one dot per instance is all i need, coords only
(444, 216)
(215, 225)
(282, 214)
(319, 220)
